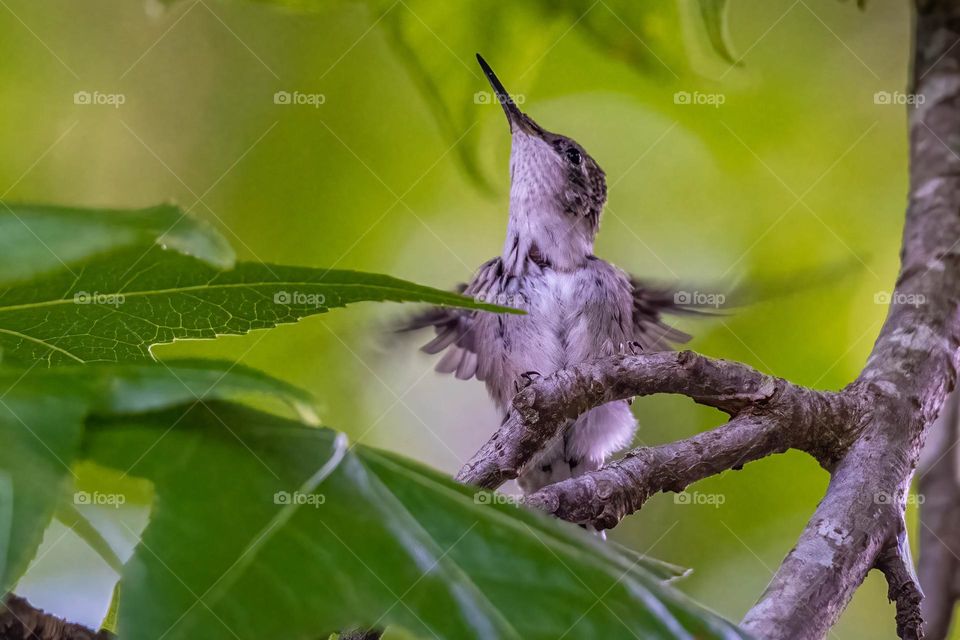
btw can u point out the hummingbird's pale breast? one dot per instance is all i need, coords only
(571, 316)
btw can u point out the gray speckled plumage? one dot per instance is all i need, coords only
(578, 306)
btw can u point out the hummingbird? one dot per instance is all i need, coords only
(578, 306)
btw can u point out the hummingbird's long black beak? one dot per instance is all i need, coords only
(514, 115)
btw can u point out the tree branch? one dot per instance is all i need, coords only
(361, 634)
(541, 410)
(903, 590)
(909, 372)
(604, 497)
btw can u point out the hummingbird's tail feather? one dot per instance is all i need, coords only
(552, 465)
(582, 445)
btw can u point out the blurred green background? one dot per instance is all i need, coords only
(402, 170)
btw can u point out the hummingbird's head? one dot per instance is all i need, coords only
(551, 175)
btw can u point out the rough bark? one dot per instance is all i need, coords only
(903, 590)
(361, 634)
(540, 408)
(868, 436)
(769, 417)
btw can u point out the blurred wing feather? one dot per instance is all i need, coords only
(456, 328)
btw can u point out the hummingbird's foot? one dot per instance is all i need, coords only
(526, 379)
(632, 348)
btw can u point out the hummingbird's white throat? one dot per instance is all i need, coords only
(540, 216)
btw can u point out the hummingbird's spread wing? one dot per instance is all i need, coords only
(454, 329)
(650, 303)
(457, 329)
(468, 339)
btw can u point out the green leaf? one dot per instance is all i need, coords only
(139, 388)
(617, 553)
(305, 536)
(41, 426)
(37, 239)
(259, 513)
(116, 308)
(714, 14)
(42, 413)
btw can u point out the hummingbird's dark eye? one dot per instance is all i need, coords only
(573, 155)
